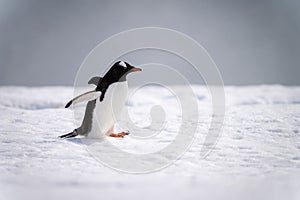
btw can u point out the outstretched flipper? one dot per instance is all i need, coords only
(95, 80)
(70, 135)
(88, 96)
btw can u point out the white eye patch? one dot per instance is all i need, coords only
(122, 64)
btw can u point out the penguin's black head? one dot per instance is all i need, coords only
(119, 71)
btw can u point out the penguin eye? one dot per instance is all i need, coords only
(123, 64)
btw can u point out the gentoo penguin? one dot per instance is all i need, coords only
(104, 103)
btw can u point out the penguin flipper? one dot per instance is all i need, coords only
(95, 80)
(88, 96)
(69, 135)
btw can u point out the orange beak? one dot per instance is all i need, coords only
(135, 69)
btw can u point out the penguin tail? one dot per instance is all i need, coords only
(69, 135)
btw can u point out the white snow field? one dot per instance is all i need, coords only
(257, 156)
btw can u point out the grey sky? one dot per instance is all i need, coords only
(252, 42)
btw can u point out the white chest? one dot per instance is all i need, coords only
(106, 112)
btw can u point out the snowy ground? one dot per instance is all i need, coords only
(256, 157)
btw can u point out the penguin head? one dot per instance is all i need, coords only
(121, 69)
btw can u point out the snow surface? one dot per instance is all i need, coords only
(257, 155)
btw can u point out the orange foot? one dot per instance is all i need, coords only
(117, 135)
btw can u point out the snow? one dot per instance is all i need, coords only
(256, 157)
